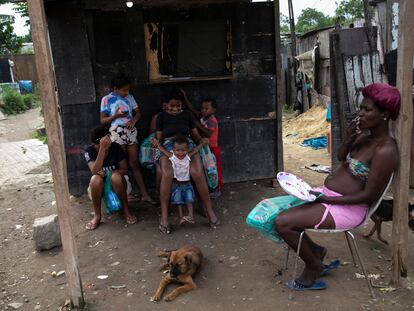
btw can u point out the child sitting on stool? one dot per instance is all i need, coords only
(182, 191)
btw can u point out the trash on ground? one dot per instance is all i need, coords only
(319, 168)
(102, 277)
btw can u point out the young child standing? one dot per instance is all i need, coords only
(182, 192)
(208, 127)
(120, 111)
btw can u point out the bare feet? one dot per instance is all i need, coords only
(93, 224)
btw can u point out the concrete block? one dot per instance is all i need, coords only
(46, 232)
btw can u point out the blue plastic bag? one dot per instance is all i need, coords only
(210, 167)
(148, 155)
(316, 143)
(25, 86)
(262, 217)
(328, 113)
(110, 199)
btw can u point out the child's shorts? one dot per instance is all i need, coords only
(182, 193)
(128, 187)
(123, 136)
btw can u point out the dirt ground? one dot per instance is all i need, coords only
(242, 270)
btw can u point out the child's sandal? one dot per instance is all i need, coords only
(215, 224)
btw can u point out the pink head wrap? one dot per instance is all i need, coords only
(385, 96)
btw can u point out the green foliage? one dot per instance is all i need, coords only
(10, 42)
(349, 10)
(284, 23)
(287, 108)
(23, 10)
(40, 136)
(12, 102)
(311, 19)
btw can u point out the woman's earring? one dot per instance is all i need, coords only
(385, 119)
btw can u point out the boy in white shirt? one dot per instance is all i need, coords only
(182, 191)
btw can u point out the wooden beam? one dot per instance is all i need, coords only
(54, 133)
(279, 104)
(292, 65)
(403, 128)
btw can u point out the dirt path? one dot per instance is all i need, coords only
(20, 127)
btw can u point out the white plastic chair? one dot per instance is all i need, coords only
(349, 237)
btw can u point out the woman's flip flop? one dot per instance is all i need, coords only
(215, 224)
(131, 220)
(149, 201)
(298, 286)
(187, 220)
(164, 229)
(92, 225)
(332, 266)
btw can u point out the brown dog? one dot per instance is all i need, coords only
(384, 213)
(183, 264)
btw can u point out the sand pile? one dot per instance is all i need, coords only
(310, 124)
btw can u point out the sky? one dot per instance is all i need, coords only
(326, 6)
(19, 28)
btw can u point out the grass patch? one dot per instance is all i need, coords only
(12, 102)
(40, 136)
(287, 108)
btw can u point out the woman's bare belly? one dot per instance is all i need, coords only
(342, 181)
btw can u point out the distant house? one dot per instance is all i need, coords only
(6, 18)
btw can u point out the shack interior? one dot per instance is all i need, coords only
(219, 49)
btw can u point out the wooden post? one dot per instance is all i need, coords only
(293, 70)
(403, 128)
(279, 103)
(55, 143)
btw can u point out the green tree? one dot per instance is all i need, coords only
(349, 10)
(10, 43)
(284, 23)
(23, 10)
(311, 19)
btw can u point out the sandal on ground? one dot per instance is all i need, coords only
(164, 229)
(298, 286)
(149, 201)
(130, 220)
(332, 266)
(215, 224)
(187, 219)
(92, 225)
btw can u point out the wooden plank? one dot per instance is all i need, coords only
(358, 81)
(366, 69)
(55, 143)
(72, 59)
(376, 70)
(403, 130)
(349, 77)
(279, 90)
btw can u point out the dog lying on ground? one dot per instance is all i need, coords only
(384, 213)
(182, 265)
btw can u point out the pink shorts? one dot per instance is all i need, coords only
(345, 216)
